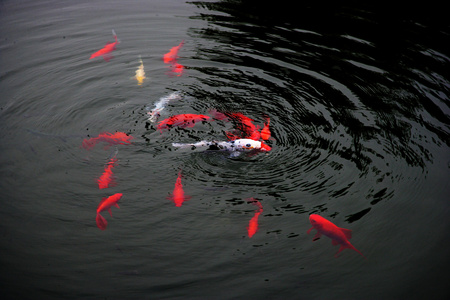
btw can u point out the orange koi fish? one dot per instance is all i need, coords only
(178, 196)
(107, 178)
(171, 57)
(106, 204)
(338, 236)
(253, 224)
(182, 120)
(265, 132)
(106, 51)
(112, 139)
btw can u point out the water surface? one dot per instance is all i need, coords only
(359, 105)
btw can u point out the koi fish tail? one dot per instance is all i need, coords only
(88, 144)
(358, 251)
(182, 146)
(349, 247)
(115, 36)
(101, 222)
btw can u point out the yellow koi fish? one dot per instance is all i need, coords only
(140, 74)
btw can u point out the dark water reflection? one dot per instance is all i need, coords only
(358, 97)
(350, 86)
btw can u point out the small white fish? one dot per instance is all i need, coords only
(161, 104)
(140, 74)
(239, 145)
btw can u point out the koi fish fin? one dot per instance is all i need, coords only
(353, 247)
(107, 57)
(101, 222)
(88, 144)
(347, 233)
(349, 246)
(317, 236)
(235, 154)
(309, 230)
(359, 252)
(334, 242)
(340, 249)
(116, 205)
(110, 212)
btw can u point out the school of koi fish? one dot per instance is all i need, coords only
(245, 138)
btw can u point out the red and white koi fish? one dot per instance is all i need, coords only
(161, 104)
(112, 139)
(253, 224)
(106, 51)
(171, 57)
(338, 236)
(182, 120)
(106, 204)
(178, 196)
(107, 178)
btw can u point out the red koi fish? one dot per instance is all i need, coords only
(106, 51)
(183, 121)
(112, 139)
(171, 58)
(178, 193)
(106, 204)
(245, 126)
(253, 224)
(107, 178)
(265, 132)
(218, 115)
(338, 236)
(265, 147)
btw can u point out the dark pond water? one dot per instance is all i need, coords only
(358, 101)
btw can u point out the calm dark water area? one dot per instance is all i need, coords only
(358, 101)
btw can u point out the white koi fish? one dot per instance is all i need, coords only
(140, 74)
(161, 104)
(239, 145)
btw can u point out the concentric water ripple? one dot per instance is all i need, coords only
(358, 101)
